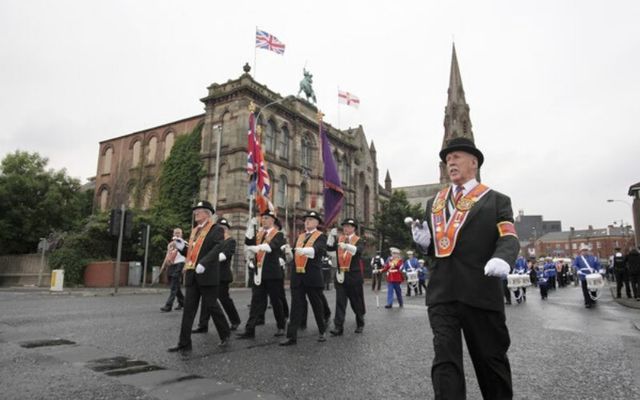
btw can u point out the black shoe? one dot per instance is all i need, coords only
(388, 306)
(200, 329)
(246, 335)
(165, 309)
(336, 332)
(508, 303)
(588, 306)
(224, 342)
(288, 342)
(181, 348)
(179, 307)
(401, 305)
(327, 320)
(359, 329)
(279, 333)
(233, 327)
(322, 337)
(260, 322)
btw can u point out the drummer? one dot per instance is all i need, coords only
(411, 264)
(521, 269)
(394, 277)
(586, 264)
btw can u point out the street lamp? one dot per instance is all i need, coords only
(631, 206)
(218, 128)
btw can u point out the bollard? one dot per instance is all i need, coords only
(57, 280)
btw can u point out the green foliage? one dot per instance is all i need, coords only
(35, 202)
(180, 177)
(389, 221)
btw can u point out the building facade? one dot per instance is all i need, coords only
(128, 166)
(601, 241)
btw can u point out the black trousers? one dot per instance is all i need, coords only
(325, 305)
(209, 296)
(228, 306)
(175, 291)
(634, 280)
(299, 304)
(506, 292)
(585, 293)
(487, 339)
(353, 294)
(271, 289)
(544, 290)
(422, 284)
(622, 277)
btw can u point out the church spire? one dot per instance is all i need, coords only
(457, 122)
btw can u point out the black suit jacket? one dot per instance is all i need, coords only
(208, 257)
(313, 271)
(271, 268)
(228, 247)
(354, 275)
(460, 277)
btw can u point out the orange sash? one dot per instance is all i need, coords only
(195, 243)
(446, 232)
(301, 259)
(261, 254)
(344, 257)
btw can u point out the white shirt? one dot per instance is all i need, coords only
(466, 188)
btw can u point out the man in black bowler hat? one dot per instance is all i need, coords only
(468, 230)
(202, 276)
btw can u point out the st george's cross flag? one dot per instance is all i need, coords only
(348, 98)
(265, 40)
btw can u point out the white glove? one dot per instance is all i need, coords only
(348, 247)
(306, 251)
(251, 249)
(179, 243)
(264, 247)
(251, 228)
(334, 232)
(199, 269)
(331, 240)
(421, 234)
(282, 262)
(251, 265)
(497, 267)
(222, 257)
(286, 249)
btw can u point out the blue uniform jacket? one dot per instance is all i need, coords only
(592, 265)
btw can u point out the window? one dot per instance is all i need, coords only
(284, 149)
(306, 151)
(104, 198)
(574, 246)
(168, 144)
(347, 172)
(135, 161)
(106, 161)
(151, 150)
(146, 199)
(281, 194)
(270, 138)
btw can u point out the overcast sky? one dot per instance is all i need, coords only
(552, 85)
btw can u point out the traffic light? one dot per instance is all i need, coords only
(128, 223)
(114, 222)
(142, 235)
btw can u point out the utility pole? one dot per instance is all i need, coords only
(116, 273)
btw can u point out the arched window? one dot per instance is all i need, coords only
(270, 138)
(284, 149)
(271, 176)
(151, 150)
(305, 154)
(104, 199)
(303, 195)
(146, 196)
(281, 194)
(106, 160)
(168, 144)
(135, 160)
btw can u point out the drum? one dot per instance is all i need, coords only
(526, 280)
(412, 277)
(514, 281)
(594, 281)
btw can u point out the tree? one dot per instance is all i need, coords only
(34, 202)
(389, 221)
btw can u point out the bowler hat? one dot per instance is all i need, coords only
(223, 221)
(312, 214)
(204, 204)
(269, 213)
(462, 144)
(350, 221)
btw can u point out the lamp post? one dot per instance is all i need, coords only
(218, 128)
(630, 206)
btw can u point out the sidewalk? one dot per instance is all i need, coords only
(85, 291)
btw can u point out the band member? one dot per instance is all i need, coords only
(348, 280)
(376, 276)
(411, 264)
(468, 229)
(174, 262)
(394, 277)
(306, 277)
(521, 269)
(422, 276)
(202, 276)
(586, 264)
(268, 273)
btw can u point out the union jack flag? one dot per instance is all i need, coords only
(259, 181)
(267, 41)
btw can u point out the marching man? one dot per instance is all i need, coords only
(349, 280)
(584, 265)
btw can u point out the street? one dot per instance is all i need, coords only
(115, 348)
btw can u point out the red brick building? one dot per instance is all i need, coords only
(601, 241)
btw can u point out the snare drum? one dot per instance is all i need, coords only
(514, 281)
(412, 276)
(594, 281)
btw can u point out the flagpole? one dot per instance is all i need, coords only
(338, 105)
(255, 52)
